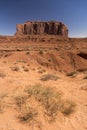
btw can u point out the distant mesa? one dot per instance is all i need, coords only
(42, 28)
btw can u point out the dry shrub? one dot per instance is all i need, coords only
(20, 100)
(25, 69)
(47, 77)
(72, 74)
(2, 75)
(67, 107)
(2, 102)
(15, 68)
(51, 100)
(48, 98)
(27, 113)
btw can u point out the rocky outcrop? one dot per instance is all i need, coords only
(40, 28)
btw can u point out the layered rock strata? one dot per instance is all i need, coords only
(42, 28)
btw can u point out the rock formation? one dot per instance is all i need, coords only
(40, 28)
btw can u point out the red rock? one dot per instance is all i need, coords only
(40, 28)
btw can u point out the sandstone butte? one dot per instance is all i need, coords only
(42, 28)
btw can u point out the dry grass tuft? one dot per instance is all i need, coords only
(48, 98)
(28, 115)
(72, 74)
(20, 100)
(2, 102)
(2, 75)
(67, 107)
(15, 68)
(47, 77)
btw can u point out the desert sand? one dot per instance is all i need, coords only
(24, 60)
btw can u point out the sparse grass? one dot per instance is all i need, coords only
(48, 98)
(27, 113)
(51, 100)
(2, 75)
(72, 74)
(25, 69)
(67, 107)
(20, 100)
(41, 71)
(47, 77)
(15, 68)
(84, 88)
(20, 61)
(2, 102)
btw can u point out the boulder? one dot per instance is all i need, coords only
(42, 28)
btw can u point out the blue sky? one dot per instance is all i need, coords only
(70, 12)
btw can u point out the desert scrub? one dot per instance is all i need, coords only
(51, 100)
(20, 100)
(15, 68)
(2, 75)
(47, 97)
(26, 69)
(41, 70)
(67, 107)
(47, 77)
(2, 102)
(72, 74)
(48, 101)
(27, 114)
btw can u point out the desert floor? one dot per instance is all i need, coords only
(22, 65)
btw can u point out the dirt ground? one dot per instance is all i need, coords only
(23, 62)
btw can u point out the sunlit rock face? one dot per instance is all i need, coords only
(40, 28)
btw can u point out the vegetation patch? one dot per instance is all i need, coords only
(47, 98)
(15, 68)
(47, 77)
(2, 75)
(26, 69)
(28, 115)
(67, 107)
(72, 74)
(2, 102)
(51, 100)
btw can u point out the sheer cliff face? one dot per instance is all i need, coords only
(39, 28)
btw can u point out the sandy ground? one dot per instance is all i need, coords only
(13, 82)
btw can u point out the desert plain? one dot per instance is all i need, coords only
(43, 83)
